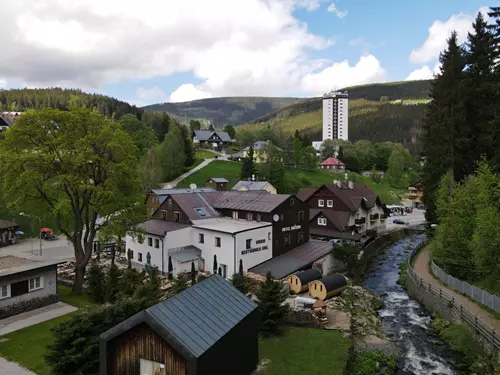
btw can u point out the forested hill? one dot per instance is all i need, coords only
(58, 98)
(224, 111)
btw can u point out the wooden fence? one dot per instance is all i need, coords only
(481, 328)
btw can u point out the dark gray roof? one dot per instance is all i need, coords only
(307, 276)
(196, 318)
(204, 135)
(339, 219)
(159, 227)
(251, 185)
(334, 281)
(5, 121)
(164, 193)
(5, 224)
(260, 145)
(250, 201)
(294, 260)
(218, 179)
(191, 204)
(332, 233)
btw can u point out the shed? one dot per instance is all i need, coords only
(217, 183)
(299, 282)
(209, 328)
(328, 286)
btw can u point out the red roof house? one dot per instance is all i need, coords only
(332, 165)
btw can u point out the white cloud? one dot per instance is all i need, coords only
(333, 9)
(423, 73)
(339, 75)
(439, 32)
(356, 41)
(186, 92)
(153, 93)
(244, 47)
(3, 83)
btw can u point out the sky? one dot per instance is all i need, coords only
(151, 51)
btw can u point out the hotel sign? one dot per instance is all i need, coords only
(287, 229)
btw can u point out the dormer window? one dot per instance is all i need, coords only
(321, 203)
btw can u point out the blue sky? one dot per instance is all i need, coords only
(168, 50)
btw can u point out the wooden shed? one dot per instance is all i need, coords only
(217, 183)
(328, 286)
(299, 282)
(210, 328)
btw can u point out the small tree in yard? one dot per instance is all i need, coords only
(240, 269)
(129, 282)
(215, 264)
(95, 283)
(193, 274)
(220, 271)
(170, 268)
(240, 283)
(112, 283)
(151, 289)
(179, 284)
(271, 296)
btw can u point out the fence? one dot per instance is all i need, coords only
(491, 337)
(477, 294)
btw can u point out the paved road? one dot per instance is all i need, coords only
(188, 173)
(415, 218)
(11, 368)
(58, 249)
(421, 267)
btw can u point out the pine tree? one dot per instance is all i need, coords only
(271, 296)
(248, 168)
(112, 283)
(240, 269)
(443, 123)
(239, 282)
(189, 151)
(220, 271)
(179, 284)
(193, 274)
(170, 268)
(95, 283)
(215, 264)
(130, 281)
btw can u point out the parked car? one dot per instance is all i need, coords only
(400, 222)
(408, 210)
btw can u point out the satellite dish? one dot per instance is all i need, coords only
(276, 218)
(169, 186)
(193, 186)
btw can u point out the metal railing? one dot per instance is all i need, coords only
(480, 327)
(477, 294)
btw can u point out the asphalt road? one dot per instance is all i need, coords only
(415, 218)
(59, 249)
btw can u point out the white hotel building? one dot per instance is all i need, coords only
(335, 117)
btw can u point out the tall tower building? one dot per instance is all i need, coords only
(335, 117)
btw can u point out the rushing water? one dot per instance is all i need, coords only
(422, 352)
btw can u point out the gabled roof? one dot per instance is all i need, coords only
(251, 185)
(338, 218)
(204, 135)
(331, 233)
(5, 121)
(164, 193)
(195, 319)
(355, 197)
(160, 227)
(249, 201)
(332, 161)
(218, 179)
(305, 194)
(260, 145)
(5, 224)
(198, 205)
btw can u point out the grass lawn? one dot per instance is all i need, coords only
(304, 351)
(204, 154)
(218, 168)
(27, 346)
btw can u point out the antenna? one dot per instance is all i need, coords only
(193, 186)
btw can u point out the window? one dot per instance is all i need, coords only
(321, 221)
(177, 215)
(287, 239)
(169, 202)
(249, 216)
(321, 288)
(36, 283)
(329, 203)
(259, 217)
(292, 201)
(164, 214)
(301, 236)
(217, 241)
(150, 241)
(201, 238)
(321, 203)
(269, 236)
(4, 291)
(151, 368)
(201, 212)
(300, 216)
(235, 214)
(131, 254)
(139, 257)
(249, 243)
(157, 243)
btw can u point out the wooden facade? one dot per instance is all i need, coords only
(217, 185)
(126, 350)
(171, 211)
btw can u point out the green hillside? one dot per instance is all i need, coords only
(302, 178)
(223, 111)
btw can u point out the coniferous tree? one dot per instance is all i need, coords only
(151, 290)
(220, 271)
(271, 296)
(170, 268)
(239, 282)
(443, 123)
(240, 269)
(193, 274)
(215, 264)
(112, 283)
(129, 282)
(189, 151)
(248, 168)
(179, 284)
(95, 283)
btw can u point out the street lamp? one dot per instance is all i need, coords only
(39, 232)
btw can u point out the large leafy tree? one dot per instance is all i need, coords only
(171, 154)
(229, 129)
(142, 135)
(70, 166)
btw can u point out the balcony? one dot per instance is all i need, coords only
(360, 221)
(374, 217)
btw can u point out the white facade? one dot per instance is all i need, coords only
(335, 117)
(224, 237)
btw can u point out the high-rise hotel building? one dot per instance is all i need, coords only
(335, 117)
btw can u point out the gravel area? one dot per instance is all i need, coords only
(11, 368)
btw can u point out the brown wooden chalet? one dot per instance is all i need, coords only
(288, 214)
(344, 210)
(210, 328)
(217, 183)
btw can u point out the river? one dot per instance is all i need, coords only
(422, 352)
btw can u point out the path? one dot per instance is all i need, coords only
(188, 173)
(421, 267)
(11, 368)
(33, 317)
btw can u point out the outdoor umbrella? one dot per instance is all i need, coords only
(20, 232)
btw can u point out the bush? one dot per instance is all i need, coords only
(131, 280)
(271, 296)
(29, 305)
(75, 350)
(240, 283)
(95, 283)
(370, 362)
(112, 283)
(151, 290)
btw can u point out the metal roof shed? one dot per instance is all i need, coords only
(210, 328)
